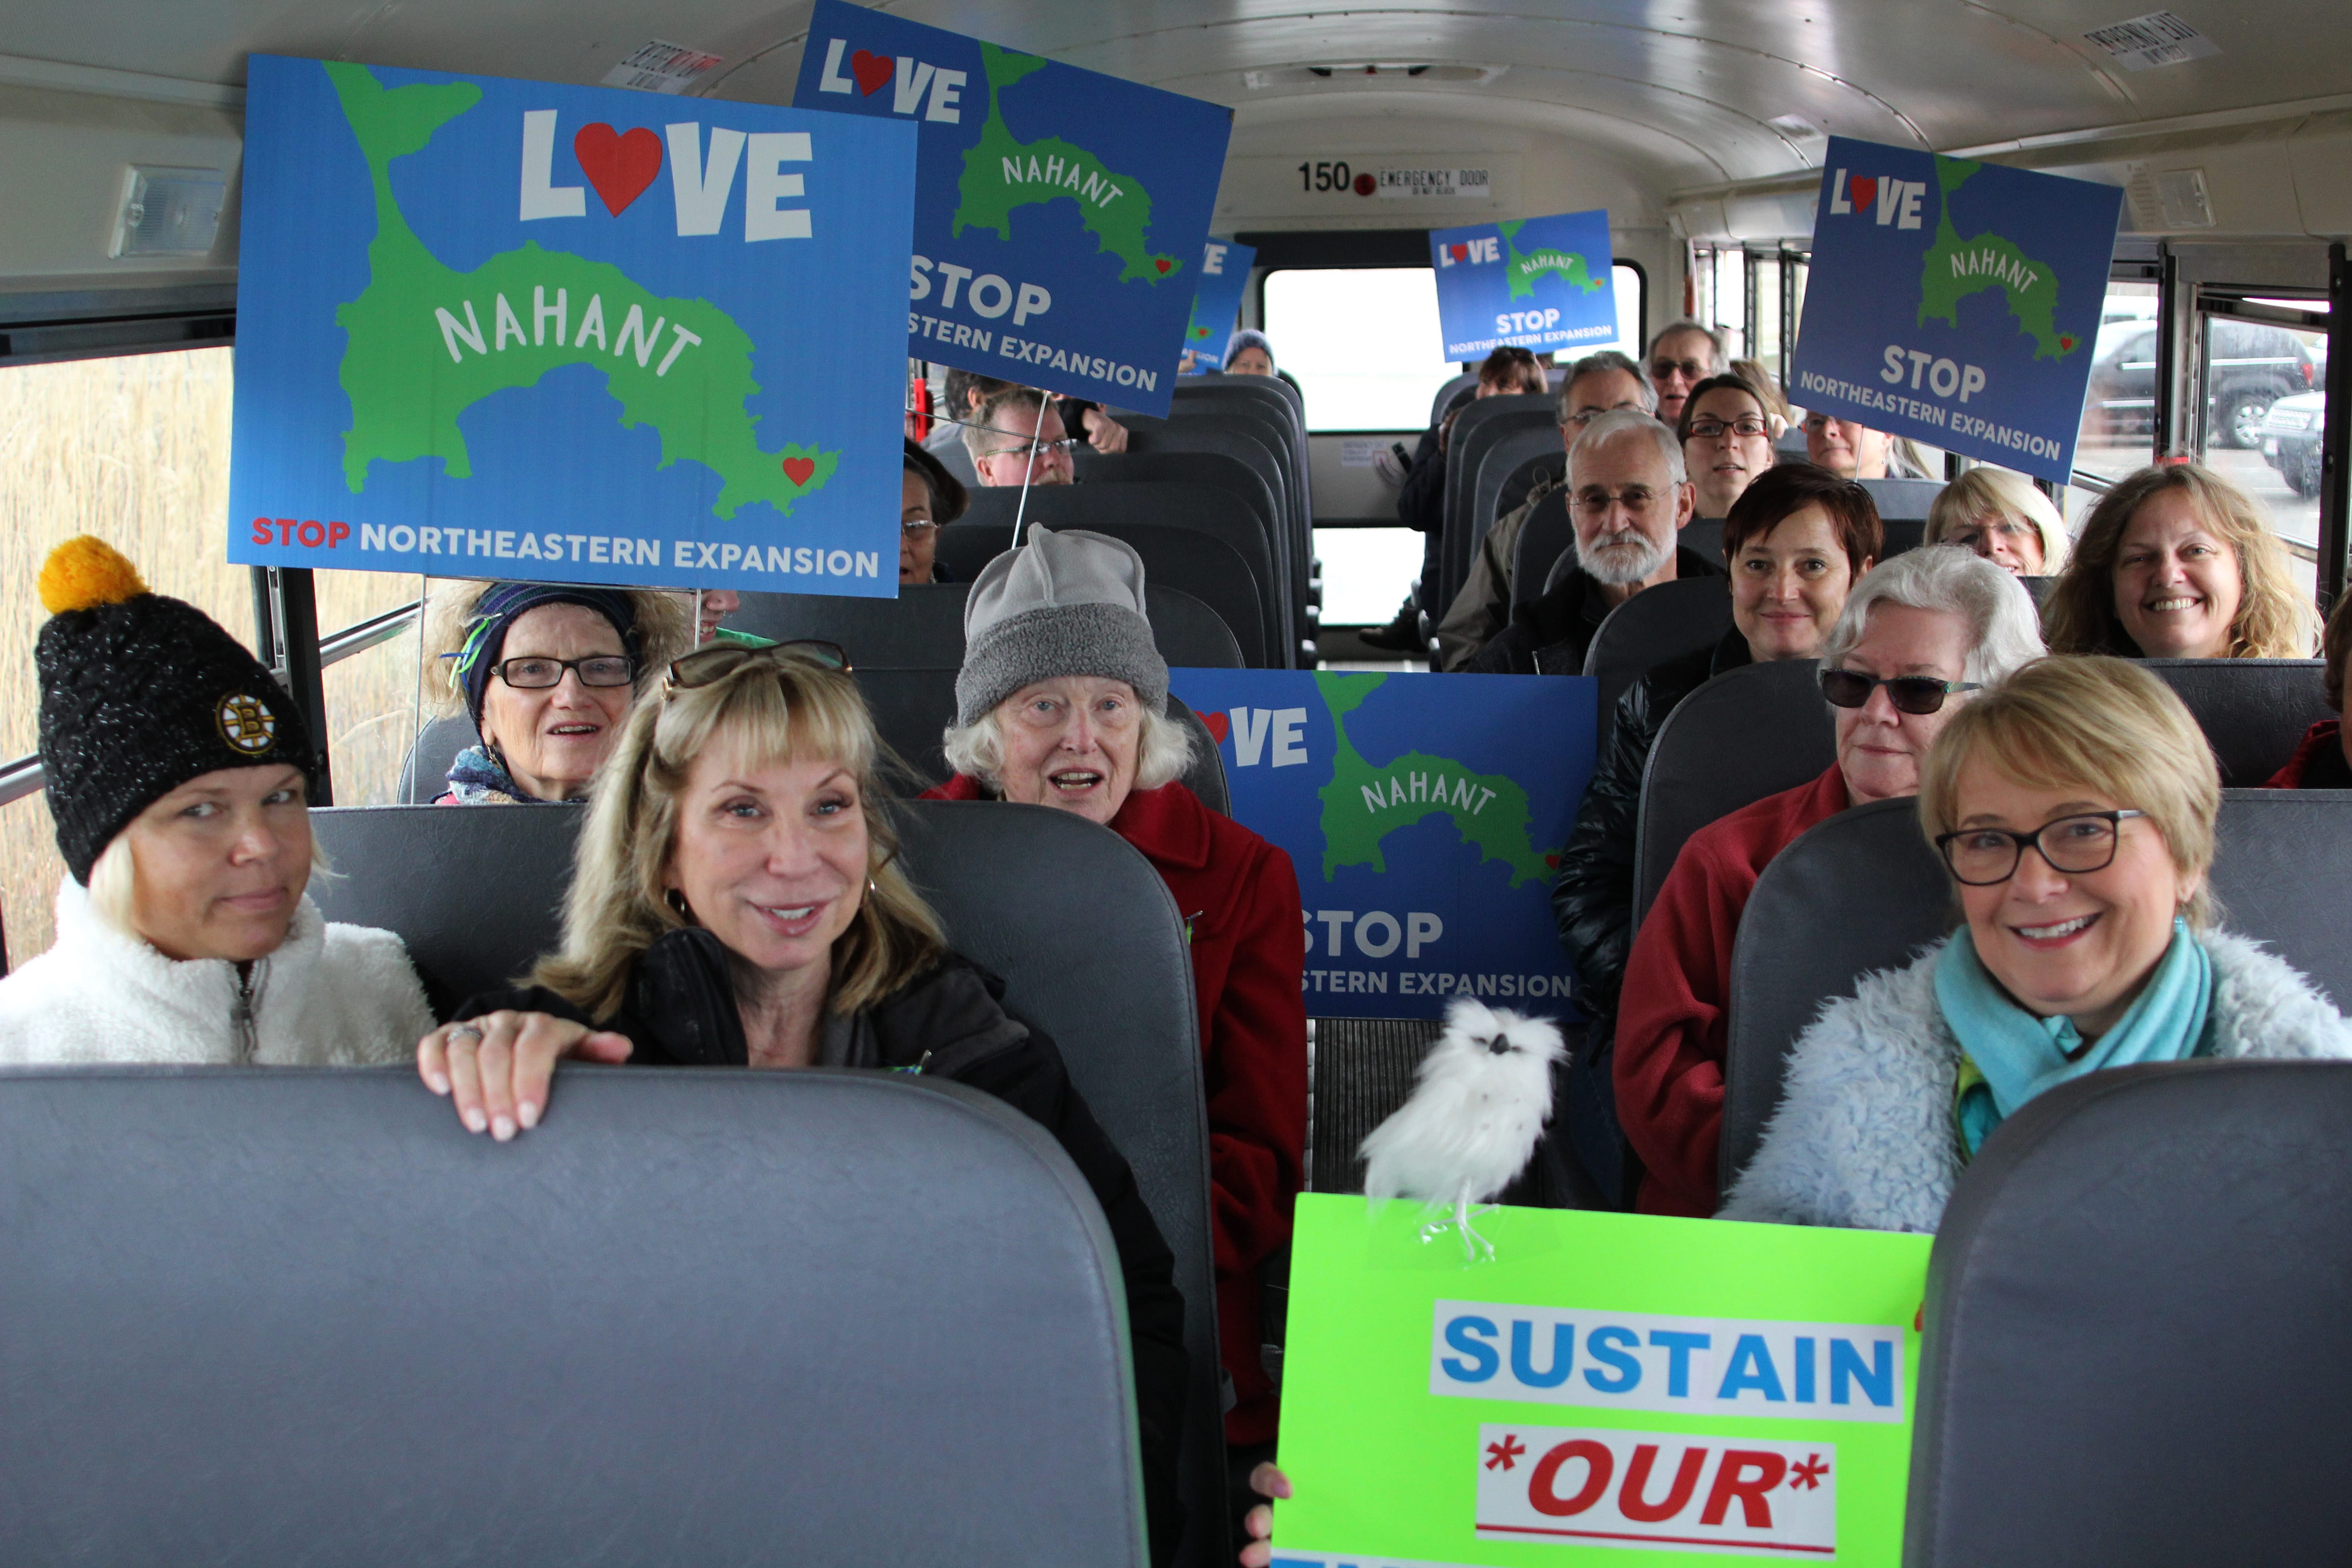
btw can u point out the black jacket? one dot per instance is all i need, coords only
(1420, 504)
(1550, 635)
(948, 1023)
(1593, 898)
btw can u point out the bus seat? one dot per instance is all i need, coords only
(1546, 538)
(1703, 536)
(1653, 626)
(2281, 861)
(1089, 943)
(1465, 382)
(1477, 429)
(1197, 509)
(1502, 461)
(1165, 466)
(1791, 447)
(1897, 534)
(923, 627)
(2135, 1350)
(425, 772)
(1747, 734)
(1902, 500)
(2038, 589)
(1199, 563)
(1544, 467)
(2253, 710)
(1274, 404)
(279, 1315)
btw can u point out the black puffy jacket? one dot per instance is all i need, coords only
(1593, 898)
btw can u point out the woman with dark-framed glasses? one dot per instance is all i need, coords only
(1919, 637)
(737, 902)
(1727, 436)
(548, 672)
(2075, 811)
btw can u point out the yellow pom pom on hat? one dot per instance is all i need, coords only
(140, 693)
(86, 572)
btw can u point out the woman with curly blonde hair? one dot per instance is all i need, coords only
(2177, 563)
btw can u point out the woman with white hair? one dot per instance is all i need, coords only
(2073, 810)
(1063, 702)
(2000, 516)
(1919, 636)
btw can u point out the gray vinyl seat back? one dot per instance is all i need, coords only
(1704, 537)
(277, 1315)
(1478, 426)
(1864, 891)
(1198, 508)
(1504, 459)
(1897, 534)
(920, 628)
(2135, 1354)
(1246, 435)
(2253, 710)
(1747, 733)
(1653, 626)
(1465, 382)
(1903, 501)
(1198, 563)
(1227, 473)
(1270, 408)
(1546, 539)
(1080, 927)
(1790, 448)
(425, 772)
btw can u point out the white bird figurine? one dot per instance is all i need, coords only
(1472, 1124)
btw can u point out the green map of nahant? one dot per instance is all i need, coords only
(1522, 267)
(1956, 268)
(427, 342)
(1001, 173)
(1365, 802)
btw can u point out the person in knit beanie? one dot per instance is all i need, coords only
(1063, 701)
(178, 773)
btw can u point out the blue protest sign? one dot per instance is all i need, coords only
(1425, 818)
(1217, 300)
(493, 328)
(1534, 283)
(1956, 302)
(1057, 210)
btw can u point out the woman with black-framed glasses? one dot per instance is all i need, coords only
(548, 673)
(1919, 637)
(2075, 810)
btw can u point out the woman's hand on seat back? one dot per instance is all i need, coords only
(496, 1069)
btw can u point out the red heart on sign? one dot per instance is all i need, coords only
(1865, 192)
(1461, 252)
(2066, 343)
(1164, 264)
(1218, 724)
(799, 470)
(619, 166)
(1552, 862)
(871, 70)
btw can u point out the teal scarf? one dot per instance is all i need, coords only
(2008, 1056)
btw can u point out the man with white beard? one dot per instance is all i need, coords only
(1629, 496)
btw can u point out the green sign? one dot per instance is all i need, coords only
(1610, 1390)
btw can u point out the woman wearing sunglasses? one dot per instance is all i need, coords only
(2075, 811)
(737, 903)
(548, 673)
(1919, 637)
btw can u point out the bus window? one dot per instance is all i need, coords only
(2118, 429)
(2262, 415)
(1365, 345)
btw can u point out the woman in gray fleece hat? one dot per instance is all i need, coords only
(1063, 701)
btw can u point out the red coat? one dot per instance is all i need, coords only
(1239, 898)
(2318, 741)
(1672, 1032)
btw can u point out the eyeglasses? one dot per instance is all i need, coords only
(1713, 429)
(1988, 857)
(709, 665)
(1997, 528)
(1584, 416)
(1662, 368)
(536, 674)
(1635, 499)
(921, 529)
(1909, 693)
(1044, 449)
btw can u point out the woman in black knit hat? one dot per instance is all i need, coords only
(178, 773)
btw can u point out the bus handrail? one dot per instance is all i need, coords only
(23, 776)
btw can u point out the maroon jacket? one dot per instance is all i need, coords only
(2318, 761)
(1239, 898)
(1672, 1017)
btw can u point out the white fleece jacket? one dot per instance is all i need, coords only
(1864, 1137)
(333, 996)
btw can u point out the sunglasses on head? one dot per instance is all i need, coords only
(1909, 693)
(708, 666)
